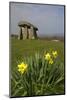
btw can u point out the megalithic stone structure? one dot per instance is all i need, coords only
(27, 30)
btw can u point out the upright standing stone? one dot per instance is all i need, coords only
(31, 32)
(35, 33)
(20, 34)
(25, 33)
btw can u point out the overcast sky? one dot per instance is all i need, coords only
(49, 19)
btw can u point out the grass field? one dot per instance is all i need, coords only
(20, 48)
(25, 48)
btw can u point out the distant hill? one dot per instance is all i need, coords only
(14, 35)
(52, 38)
(44, 38)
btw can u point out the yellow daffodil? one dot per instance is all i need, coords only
(55, 54)
(47, 56)
(51, 61)
(22, 67)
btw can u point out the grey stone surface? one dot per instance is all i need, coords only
(27, 30)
